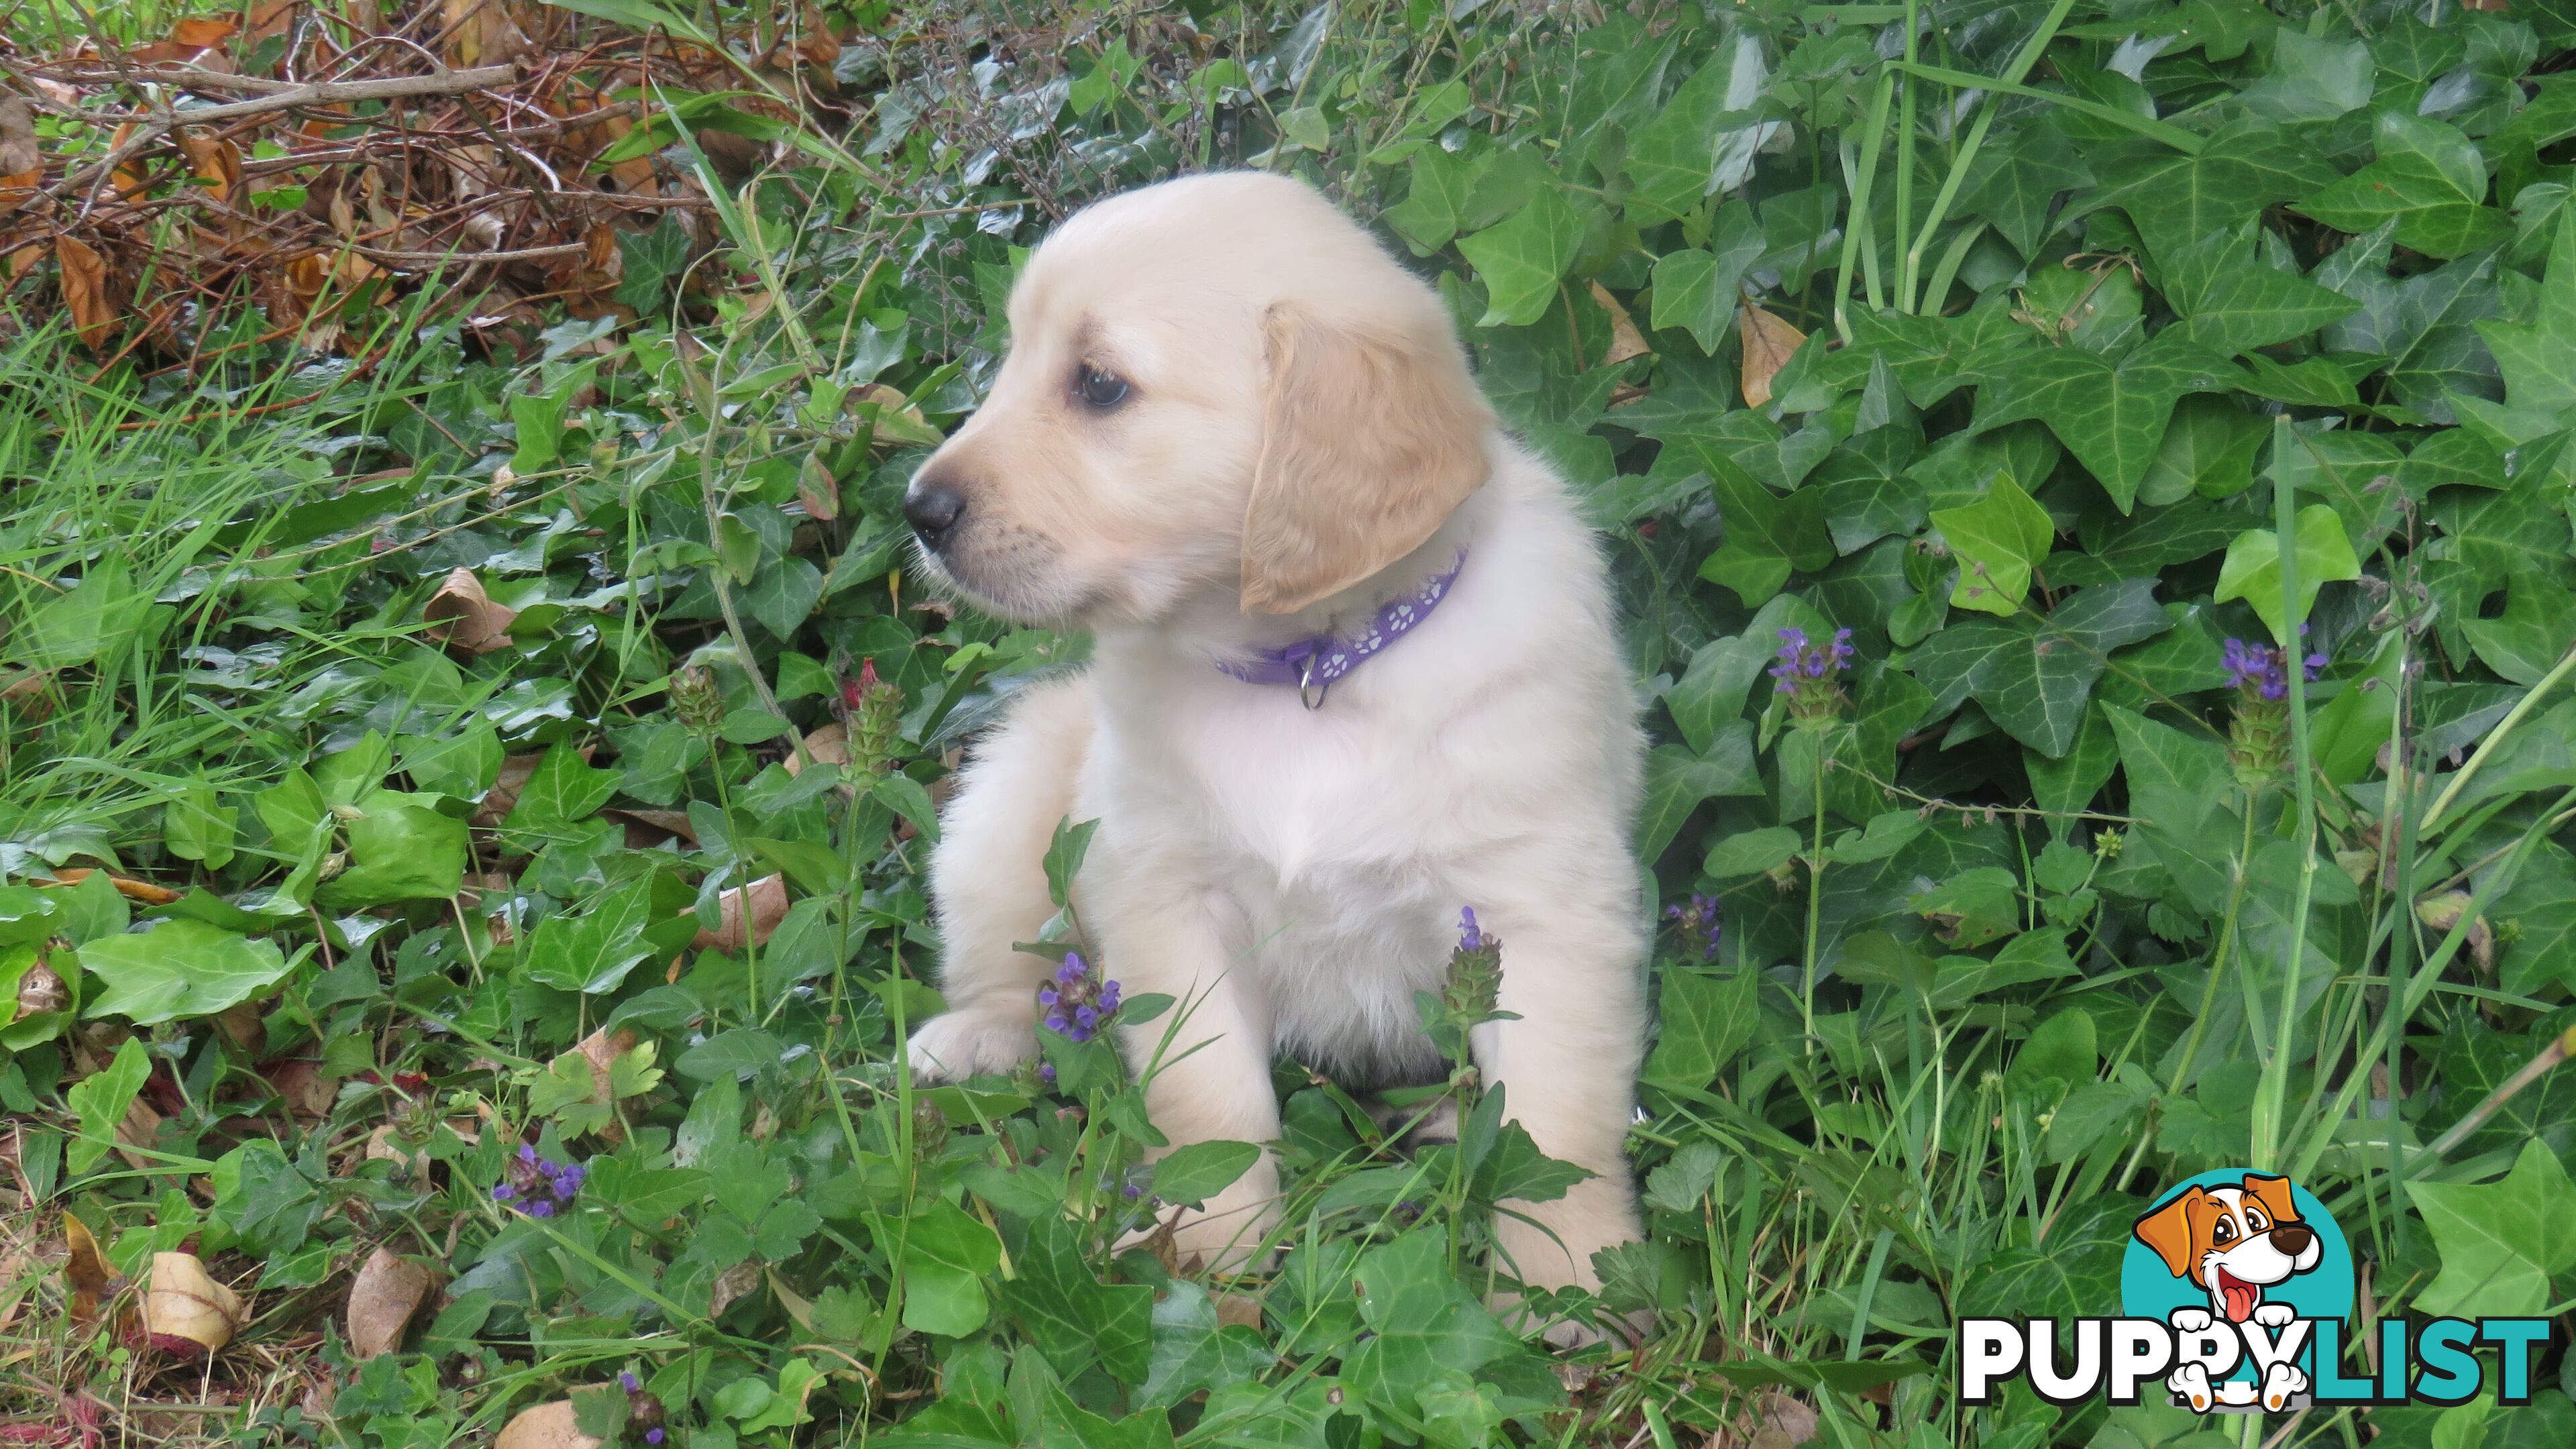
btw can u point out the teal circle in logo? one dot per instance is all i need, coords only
(2214, 1243)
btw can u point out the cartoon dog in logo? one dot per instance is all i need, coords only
(2234, 1242)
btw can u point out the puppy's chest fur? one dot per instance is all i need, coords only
(1331, 868)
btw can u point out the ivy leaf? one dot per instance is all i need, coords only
(2035, 680)
(2425, 324)
(2534, 356)
(1703, 1021)
(593, 952)
(1201, 1170)
(1193, 1350)
(100, 1101)
(2430, 178)
(1521, 259)
(179, 969)
(1426, 1323)
(1767, 537)
(1998, 540)
(2017, 177)
(1677, 781)
(563, 792)
(2502, 1241)
(2110, 415)
(2233, 302)
(1073, 1317)
(2075, 1266)
(2311, 80)
(1696, 290)
(951, 1255)
(2175, 200)
(2252, 571)
(1428, 216)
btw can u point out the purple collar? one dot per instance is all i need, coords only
(1313, 664)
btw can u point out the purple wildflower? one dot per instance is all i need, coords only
(629, 1382)
(2261, 671)
(1470, 938)
(1132, 1191)
(653, 1436)
(1046, 1073)
(1697, 918)
(1809, 674)
(1078, 1001)
(539, 1186)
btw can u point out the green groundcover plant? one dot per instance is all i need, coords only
(2089, 485)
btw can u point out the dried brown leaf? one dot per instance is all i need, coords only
(85, 1272)
(382, 1298)
(88, 291)
(1769, 341)
(133, 890)
(204, 32)
(768, 906)
(828, 744)
(185, 1311)
(1625, 340)
(462, 616)
(18, 153)
(547, 1426)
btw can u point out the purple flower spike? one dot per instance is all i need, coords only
(1470, 936)
(1079, 1001)
(527, 1154)
(629, 1382)
(1046, 1073)
(653, 1436)
(1810, 674)
(541, 1209)
(503, 1192)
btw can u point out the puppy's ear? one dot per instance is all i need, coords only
(1369, 441)
(2274, 1194)
(2170, 1231)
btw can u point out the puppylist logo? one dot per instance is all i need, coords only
(2233, 1299)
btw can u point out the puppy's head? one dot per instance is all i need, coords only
(2233, 1241)
(1218, 382)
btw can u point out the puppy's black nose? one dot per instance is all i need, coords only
(2293, 1238)
(933, 508)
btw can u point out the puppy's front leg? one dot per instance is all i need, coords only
(1211, 1081)
(1568, 1070)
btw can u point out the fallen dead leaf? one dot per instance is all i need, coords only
(133, 890)
(87, 291)
(1769, 342)
(601, 1049)
(768, 906)
(817, 489)
(307, 1091)
(2443, 912)
(84, 1271)
(547, 1426)
(1625, 340)
(18, 153)
(141, 1125)
(730, 1285)
(185, 1311)
(382, 1298)
(1238, 1309)
(462, 616)
(828, 744)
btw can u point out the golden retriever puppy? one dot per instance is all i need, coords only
(1355, 669)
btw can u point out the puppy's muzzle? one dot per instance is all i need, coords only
(934, 507)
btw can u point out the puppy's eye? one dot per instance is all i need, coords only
(2225, 1232)
(1100, 388)
(2255, 1222)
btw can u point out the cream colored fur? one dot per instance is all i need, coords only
(1301, 435)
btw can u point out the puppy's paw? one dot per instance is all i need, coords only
(2191, 1320)
(2190, 1383)
(955, 1045)
(2274, 1315)
(2280, 1383)
(1627, 1329)
(1226, 1234)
